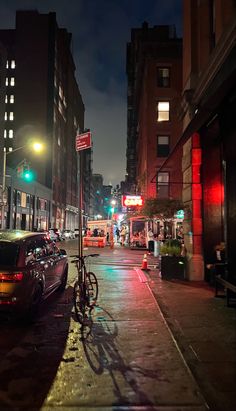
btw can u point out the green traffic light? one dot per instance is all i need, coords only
(28, 176)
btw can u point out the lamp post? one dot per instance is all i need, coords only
(113, 203)
(37, 147)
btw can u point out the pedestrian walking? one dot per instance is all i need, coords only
(117, 234)
(122, 235)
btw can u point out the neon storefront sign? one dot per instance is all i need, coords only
(132, 201)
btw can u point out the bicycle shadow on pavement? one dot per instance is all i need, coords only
(32, 353)
(102, 353)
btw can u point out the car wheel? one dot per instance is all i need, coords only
(35, 303)
(62, 286)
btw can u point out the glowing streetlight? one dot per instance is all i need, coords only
(37, 147)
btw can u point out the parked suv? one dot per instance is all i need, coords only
(57, 233)
(68, 234)
(31, 268)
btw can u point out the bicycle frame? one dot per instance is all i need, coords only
(85, 289)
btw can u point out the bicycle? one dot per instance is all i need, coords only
(85, 289)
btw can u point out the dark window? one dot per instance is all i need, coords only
(36, 249)
(18, 198)
(28, 202)
(8, 253)
(163, 77)
(163, 146)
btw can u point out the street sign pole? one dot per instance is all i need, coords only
(80, 155)
(83, 141)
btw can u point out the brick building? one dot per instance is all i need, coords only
(154, 70)
(209, 153)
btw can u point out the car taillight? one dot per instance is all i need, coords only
(11, 277)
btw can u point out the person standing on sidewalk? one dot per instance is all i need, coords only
(122, 235)
(216, 265)
(150, 238)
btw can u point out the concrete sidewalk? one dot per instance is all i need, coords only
(203, 327)
(205, 331)
(128, 360)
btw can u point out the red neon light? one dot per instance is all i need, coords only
(215, 194)
(132, 201)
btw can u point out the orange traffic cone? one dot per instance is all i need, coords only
(144, 263)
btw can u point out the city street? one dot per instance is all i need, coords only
(129, 359)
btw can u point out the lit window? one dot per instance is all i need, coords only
(5, 133)
(163, 185)
(5, 116)
(13, 64)
(6, 83)
(10, 149)
(7, 64)
(11, 116)
(6, 99)
(4, 149)
(12, 99)
(163, 77)
(163, 111)
(12, 82)
(163, 146)
(10, 134)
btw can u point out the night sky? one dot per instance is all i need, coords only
(100, 31)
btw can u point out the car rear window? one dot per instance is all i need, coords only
(8, 253)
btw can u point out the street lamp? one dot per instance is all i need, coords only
(37, 148)
(113, 203)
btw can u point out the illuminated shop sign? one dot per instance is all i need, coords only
(132, 201)
(180, 214)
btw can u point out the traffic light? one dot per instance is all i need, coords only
(24, 172)
(28, 175)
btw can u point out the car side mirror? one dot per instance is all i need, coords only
(63, 252)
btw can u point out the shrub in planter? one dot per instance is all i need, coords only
(172, 263)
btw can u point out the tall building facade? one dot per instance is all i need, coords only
(107, 197)
(154, 71)
(209, 132)
(43, 101)
(98, 194)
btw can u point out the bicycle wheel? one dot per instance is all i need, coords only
(92, 288)
(80, 301)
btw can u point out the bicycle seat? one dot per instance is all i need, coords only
(75, 261)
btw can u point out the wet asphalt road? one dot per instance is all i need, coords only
(127, 360)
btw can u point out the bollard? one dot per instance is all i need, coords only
(144, 263)
(156, 248)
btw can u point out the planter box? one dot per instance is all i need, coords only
(172, 267)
